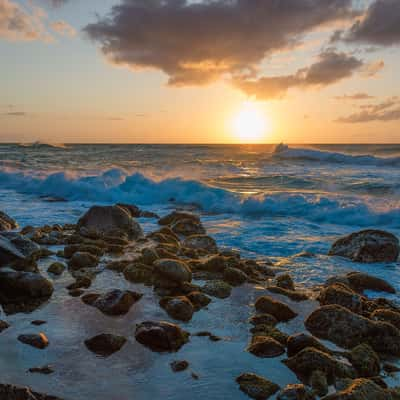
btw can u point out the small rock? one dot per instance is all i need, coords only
(201, 242)
(39, 341)
(105, 344)
(265, 347)
(76, 292)
(392, 317)
(38, 322)
(281, 311)
(116, 302)
(342, 295)
(263, 319)
(390, 368)
(179, 366)
(83, 260)
(234, 276)
(81, 282)
(217, 288)
(295, 392)
(56, 268)
(3, 325)
(11, 392)
(300, 341)
(292, 294)
(179, 308)
(175, 270)
(256, 386)
(188, 227)
(46, 370)
(199, 300)
(285, 281)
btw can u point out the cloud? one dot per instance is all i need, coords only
(63, 28)
(16, 114)
(198, 42)
(388, 110)
(18, 23)
(355, 96)
(331, 67)
(380, 25)
(55, 3)
(372, 69)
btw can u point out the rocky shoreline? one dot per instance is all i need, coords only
(187, 272)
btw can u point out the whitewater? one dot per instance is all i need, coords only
(276, 202)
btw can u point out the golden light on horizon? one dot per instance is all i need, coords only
(250, 124)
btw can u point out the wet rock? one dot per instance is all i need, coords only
(175, 270)
(199, 300)
(11, 392)
(319, 383)
(265, 347)
(214, 263)
(285, 281)
(46, 370)
(161, 336)
(360, 281)
(109, 221)
(38, 322)
(271, 331)
(385, 315)
(300, 341)
(3, 325)
(80, 282)
(139, 273)
(342, 295)
(304, 363)
(292, 294)
(6, 222)
(114, 302)
(217, 288)
(83, 260)
(361, 389)
(179, 366)
(256, 386)
(234, 276)
(295, 392)
(365, 361)
(105, 344)
(390, 368)
(201, 242)
(281, 311)
(179, 308)
(347, 329)
(71, 249)
(367, 246)
(23, 291)
(263, 319)
(149, 256)
(76, 292)
(177, 216)
(187, 227)
(56, 268)
(118, 265)
(39, 341)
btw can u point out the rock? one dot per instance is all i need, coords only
(390, 368)
(131, 209)
(83, 260)
(114, 302)
(285, 281)
(179, 215)
(319, 383)
(342, 295)
(201, 242)
(214, 263)
(256, 386)
(304, 363)
(365, 361)
(361, 389)
(269, 330)
(234, 276)
(3, 325)
(16, 249)
(38, 322)
(292, 294)
(6, 222)
(11, 392)
(263, 319)
(217, 288)
(46, 370)
(281, 311)
(76, 292)
(187, 227)
(389, 316)
(39, 341)
(139, 273)
(179, 366)
(174, 270)
(179, 308)
(300, 341)
(109, 221)
(367, 246)
(23, 291)
(360, 282)
(105, 344)
(71, 249)
(81, 282)
(161, 336)
(149, 256)
(199, 300)
(295, 392)
(347, 329)
(56, 268)
(265, 347)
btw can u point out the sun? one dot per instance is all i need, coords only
(250, 124)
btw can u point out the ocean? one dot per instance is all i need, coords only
(283, 203)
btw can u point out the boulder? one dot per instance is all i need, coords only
(114, 302)
(367, 246)
(281, 311)
(179, 308)
(203, 243)
(105, 344)
(234, 276)
(6, 222)
(109, 221)
(15, 248)
(256, 386)
(161, 336)
(82, 260)
(300, 341)
(360, 281)
(217, 288)
(187, 227)
(295, 392)
(39, 341)
(216, 263)
(174, 270)
(11, 392)
(177, 216)
(365, 361)
(23, 291)
(347, 329)
(265, 347)
(361, 389)
(342, 295)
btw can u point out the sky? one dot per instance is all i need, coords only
(204, 71)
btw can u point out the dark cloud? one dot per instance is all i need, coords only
(380, 26)
(331, 67)
(198, 42)
(388, 110)
(355, 96)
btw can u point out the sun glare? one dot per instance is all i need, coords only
(250, 125)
